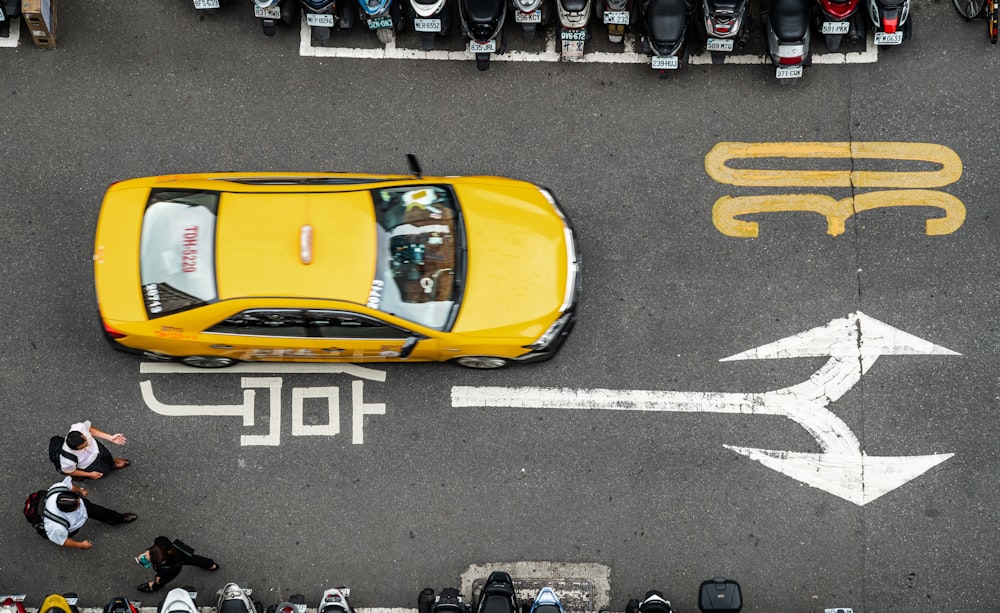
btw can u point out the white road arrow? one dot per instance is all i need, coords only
(852, 343)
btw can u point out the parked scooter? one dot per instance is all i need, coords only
(617, 15)
(720, 594)
(482, 25)
(325, 16)
(60, 603)
(546, 602)
(665, 27)
(498, 595)
(271, 12)
(385, 17)
(12, 603)
(296, 603)
(448, 601)
(9, 9)
(234, 599)
(836, 19)
(431, 18)
(574, 27)
(179, 600)
(207, 7)
(892, 21)
(531, 14)
(653, 602)
(120, 604)
(335, 600)
(727, 26)
(786, 23)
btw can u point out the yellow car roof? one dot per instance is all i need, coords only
(260, 238)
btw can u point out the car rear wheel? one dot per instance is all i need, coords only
(207, 361)
(482, 362)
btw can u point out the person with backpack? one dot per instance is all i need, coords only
(82, 456)
(66, 509)
(166, 558)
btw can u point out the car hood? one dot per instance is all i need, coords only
(517, 263)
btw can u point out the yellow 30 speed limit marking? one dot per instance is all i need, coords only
(727, 208)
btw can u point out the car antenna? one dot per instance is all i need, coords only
(414, 165)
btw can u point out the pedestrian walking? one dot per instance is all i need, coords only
(67, 510)
(166, 558)
(84, 457)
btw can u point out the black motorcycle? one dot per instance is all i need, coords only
(482, 25)
(664, 38)
(9, 9)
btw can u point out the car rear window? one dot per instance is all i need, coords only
(417, 271)
(177, 251)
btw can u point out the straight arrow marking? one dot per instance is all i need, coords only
(852, 343)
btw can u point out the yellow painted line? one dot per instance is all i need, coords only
(950, 171)
(836, 212)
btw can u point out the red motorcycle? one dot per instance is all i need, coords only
(836, 19)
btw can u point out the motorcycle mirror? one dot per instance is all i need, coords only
(414, 165)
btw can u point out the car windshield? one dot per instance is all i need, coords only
(177, 251)
(419, 236)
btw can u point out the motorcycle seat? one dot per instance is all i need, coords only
(666, 20)
(574, 6)
(499, 603)
(483, 11)
(790, 19)
(233, 606)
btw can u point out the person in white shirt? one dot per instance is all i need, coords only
(67, 511)
(84, 457)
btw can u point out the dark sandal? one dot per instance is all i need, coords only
(145, 587)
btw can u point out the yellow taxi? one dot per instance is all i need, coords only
(215, 269)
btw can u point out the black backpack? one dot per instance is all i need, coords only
(34, 510)
(56, 450)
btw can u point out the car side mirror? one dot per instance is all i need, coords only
(408, 347)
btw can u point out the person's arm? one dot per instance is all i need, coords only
(72, 544)
(85, 474)
(118, 438)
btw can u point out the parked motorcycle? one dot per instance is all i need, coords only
(448, 601)
(546, 601)
(482, 24)
(727, 26)
(786, 23)
(836, 19)
(325, 16)
(431, 18)
(60, 603)
(271, 12)
(335, 600)
(892, 21)
(385, 17)
(498, 595)
(120, 604)
(296, 603)
(531, 14)
(234, 599)
(9, 9)
(12, 603)
(617, 15)
(665, 27)
(574, 27)
(653, 602)
(720, 594)
(179, 600)
(207, 7)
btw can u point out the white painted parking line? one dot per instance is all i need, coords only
(392, 52)
(15, 34)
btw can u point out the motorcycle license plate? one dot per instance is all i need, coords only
(617, 18)
(835, 27)
(534, 16)
(427, 25)
(206, 4)
(665, 63)
(271, 12)
(378, 23)
(719, 44)
(788, 72)
(884, 38)
(314, 19)
(490, 47)
(574, 35)
(572, 50)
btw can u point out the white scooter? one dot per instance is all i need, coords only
(234, 599)
(179, 600)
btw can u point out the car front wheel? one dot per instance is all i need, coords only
(207, 361)
(481, 362)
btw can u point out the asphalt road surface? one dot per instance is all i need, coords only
(406, 486)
